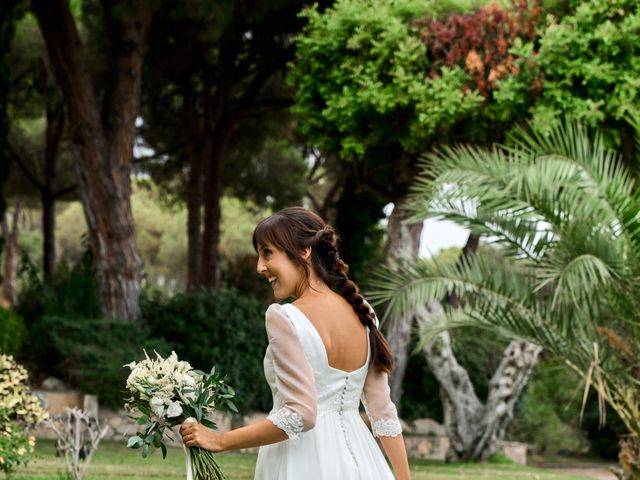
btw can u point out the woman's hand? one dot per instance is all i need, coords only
(197, 435)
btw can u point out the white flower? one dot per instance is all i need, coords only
(188, 380)
(174, 410)
(157, 406)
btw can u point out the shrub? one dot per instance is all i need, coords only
(223, 328)
(91, 353)
(16, 449)
(12, 332)
(546, 416)
(19, 409)
(72, 294)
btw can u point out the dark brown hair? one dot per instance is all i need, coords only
(295, 228)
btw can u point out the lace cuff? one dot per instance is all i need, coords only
(386, 428)
(288, 421)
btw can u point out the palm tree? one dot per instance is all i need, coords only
(561, 215)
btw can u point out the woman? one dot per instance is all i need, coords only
(325, 354)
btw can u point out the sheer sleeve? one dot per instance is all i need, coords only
(376, 398)
(294, 376)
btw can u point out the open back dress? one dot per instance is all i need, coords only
(317, 406)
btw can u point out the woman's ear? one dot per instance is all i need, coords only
(306, 253)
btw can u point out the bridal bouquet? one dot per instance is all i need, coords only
(165, 392)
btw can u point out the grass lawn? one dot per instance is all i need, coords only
(114, 460)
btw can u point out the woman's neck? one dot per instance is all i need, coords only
(314, 288)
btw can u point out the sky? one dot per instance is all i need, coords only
(437, 234)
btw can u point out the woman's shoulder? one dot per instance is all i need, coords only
(277, 312)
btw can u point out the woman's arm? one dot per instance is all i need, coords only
(295, 383)
(255, 435)
(397, 454)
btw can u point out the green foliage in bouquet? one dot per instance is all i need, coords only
(19, 409)
(167, 392)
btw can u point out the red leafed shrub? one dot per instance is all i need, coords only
(480, 41)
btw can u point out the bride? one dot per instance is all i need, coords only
(325, 355)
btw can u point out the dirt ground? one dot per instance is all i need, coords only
(599, 471)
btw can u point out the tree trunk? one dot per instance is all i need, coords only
(10, 234)
(403, 245)
(212, 212)
(474, 429)
(194, 221)
(629, 147)
(199, 152)
(48, 232)
(55, 127)
(103, 137)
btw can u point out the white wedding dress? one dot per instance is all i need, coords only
(318, 408)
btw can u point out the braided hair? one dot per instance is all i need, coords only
(293, 230)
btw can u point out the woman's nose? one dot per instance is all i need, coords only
(260, 267)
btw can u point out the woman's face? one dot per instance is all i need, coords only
(285, 277)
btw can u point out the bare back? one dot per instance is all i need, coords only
(343, 335)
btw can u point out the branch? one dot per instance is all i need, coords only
(67, 59)
(260, 107)
(315, 166)
(65, 190)
(156, 155)
(316, 204)
(27, 173)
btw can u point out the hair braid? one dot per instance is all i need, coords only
(293, 230)
(334, 272)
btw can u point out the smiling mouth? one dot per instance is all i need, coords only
(273, 281)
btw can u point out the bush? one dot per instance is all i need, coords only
(19, 409)
(12, 332)
(91, 353)
(72, 294)
(223, 328)
(546, 415)
(603, 439)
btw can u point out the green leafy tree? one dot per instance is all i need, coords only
(563, 212)
(380, 82)
(38, 147)
(10, 13)
(591, 66)
(101, 110)
(212, 111)
(161, 236)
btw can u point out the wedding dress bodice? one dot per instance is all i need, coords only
(305, 387)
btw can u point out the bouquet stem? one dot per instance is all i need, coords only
(201, 465)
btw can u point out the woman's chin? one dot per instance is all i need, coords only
(280, 294)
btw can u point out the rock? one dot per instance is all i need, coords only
(407, 428)
(249, 419)
(428, 427)
(90, 406)
(53, 384)
(420, 447)
(514, 451)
